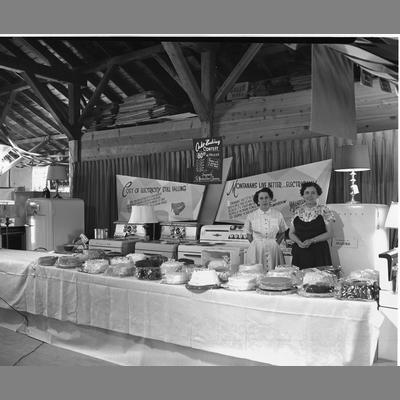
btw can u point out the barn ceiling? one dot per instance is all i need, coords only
(54, 89)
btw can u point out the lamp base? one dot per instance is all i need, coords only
(352, 202)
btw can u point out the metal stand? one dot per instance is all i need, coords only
(57, 195)
(353, 188)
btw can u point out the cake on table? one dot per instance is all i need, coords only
(241, 281)
(251, 268)
(95, 266)
(317, 283)
(69, 262)
(171, 266)
(120, 266)
(206, 277)
(136, 257)
(176, 277)
(149, 269)
(47, 261)
(275, 283)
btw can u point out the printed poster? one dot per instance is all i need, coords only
(207, 160)
(172, 201)
(237, 199)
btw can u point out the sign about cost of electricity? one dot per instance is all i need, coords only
(172, 201)
(237, 199)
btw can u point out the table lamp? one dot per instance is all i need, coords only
(352, 158)
(143, 215)
(57, 173)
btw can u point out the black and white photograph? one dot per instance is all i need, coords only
(113, 254)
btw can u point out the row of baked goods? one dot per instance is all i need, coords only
(284, 279)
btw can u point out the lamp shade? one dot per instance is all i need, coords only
(142, 215)
(392, 219)
(56, 173)
(352, 158)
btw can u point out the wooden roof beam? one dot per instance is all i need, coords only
(135, 55)
(7, 106)
(97, 93)
(52, 73)
(237, 71)
(187, 78)
(50, 102)
(167, 68)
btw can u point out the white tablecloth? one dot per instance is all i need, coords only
(280, 330)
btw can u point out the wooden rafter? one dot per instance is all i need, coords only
(42, 51)
(97, 93)
(121, 60)
(7, 106)
(53, 73)
(69, 56)
(5, 90)
(50, 102)
(169, 69)
(38, 114)
(152, 76)
(188, 80)
(237, 71)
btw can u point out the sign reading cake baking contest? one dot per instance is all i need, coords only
(172, 201)
(207, 160)
(237, 199)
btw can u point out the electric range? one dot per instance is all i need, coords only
(172, 235)
(216, 242)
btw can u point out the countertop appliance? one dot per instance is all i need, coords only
(51, 223)
(116, 245)
(172, 234)
(216, 237)
(125, 238)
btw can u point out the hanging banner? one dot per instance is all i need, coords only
(237, 199)
(172, 201)
(207, 160)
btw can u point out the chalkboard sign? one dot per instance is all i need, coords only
(207, 160)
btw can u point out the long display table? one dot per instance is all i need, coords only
(279, 330)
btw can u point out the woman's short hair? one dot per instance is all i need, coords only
(263, 190)
(305, 185)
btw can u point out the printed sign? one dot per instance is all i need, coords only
(237, 199)
(172, 201)
(207, 160)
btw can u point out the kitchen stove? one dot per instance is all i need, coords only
(124, 241)
(217, 241)
(172, 235)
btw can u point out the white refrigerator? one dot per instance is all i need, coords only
(358, 239)
(51, 223)
(359, 236)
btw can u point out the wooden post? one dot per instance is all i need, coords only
(208, 90)
(74, 157)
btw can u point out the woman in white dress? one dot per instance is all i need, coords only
(265, 227)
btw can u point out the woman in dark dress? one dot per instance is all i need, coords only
(310, 230)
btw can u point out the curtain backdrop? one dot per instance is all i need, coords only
(95, 181)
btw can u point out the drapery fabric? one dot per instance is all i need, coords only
(95, 181)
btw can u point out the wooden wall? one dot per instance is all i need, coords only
(258, 119)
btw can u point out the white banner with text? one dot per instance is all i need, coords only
(237, 199)
(172, 201)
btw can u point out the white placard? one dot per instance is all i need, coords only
(172, 201)
(237, 199)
